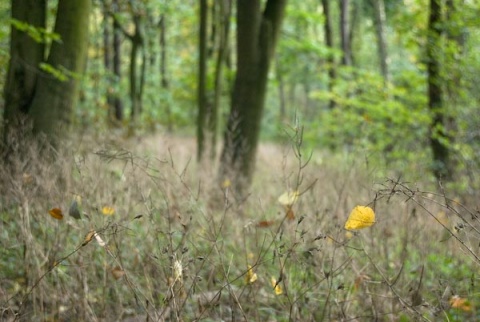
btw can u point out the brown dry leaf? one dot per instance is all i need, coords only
(359, 280)
(88, 237)
(117, 272)
(458, 302)
(265, 223)
(290, 214)
(56, 213)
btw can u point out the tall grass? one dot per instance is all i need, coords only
(179, 245)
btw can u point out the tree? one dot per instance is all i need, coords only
(257, 34)
(27, 51)
(328, 31)
(55, 97)
(439, 139)
(380, 25)
(345, 33)
(202, 79)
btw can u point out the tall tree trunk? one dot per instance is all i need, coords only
(257, 35)
(163, 69)
(223, 21)
(328, 31)
(202, 79)
(345, 32)
(54, 99)
(107, 61)
(135, 77)
(117, 65)
(439, 139)
(380, 25)
(25, 56)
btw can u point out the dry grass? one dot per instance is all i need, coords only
(179, 245)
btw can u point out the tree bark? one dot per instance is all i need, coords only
(439, 139)
(202, 79)
(25, 56)
(117, 64)
(257, 35)
(54, 99)
(163, 69)
(328, 31)
(380, 25)
(345, 33)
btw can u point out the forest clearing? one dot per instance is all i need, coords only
(249, 160)
(158, 239)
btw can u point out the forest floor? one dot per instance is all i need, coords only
(160, 238)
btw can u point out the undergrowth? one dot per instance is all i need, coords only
(160, 239)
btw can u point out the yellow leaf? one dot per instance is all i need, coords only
(108, 211)
(56, 213)
(251, 276)
(360, 217)
(117, 272)
(287, 199)
(460, 303)
(226, 183)
(277, 288)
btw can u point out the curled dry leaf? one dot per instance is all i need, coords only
(117, 272)
(276, 286)
(99, 240)
(251, 276)
(88, 237)
(460, 303)
(287, 199)
(56, 213)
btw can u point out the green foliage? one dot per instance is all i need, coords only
(39, 34)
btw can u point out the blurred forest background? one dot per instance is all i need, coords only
(361, 91)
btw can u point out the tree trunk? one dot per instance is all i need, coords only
(117, 70)
(380, 25)
(202, 80)
(438, 137)
(107, 62)
(223, 21)
(135, 77)
(328, 30)
(54, 99)
(345, 33)
(163, 70)
(25, 56)
(257, 35)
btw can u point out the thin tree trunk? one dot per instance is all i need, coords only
(107, 61)
(223, 21)
(117, 67)
(328, 30)
(202, 80)
(345, 33)
(438, 136)
(380, 25)
(163, 70)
